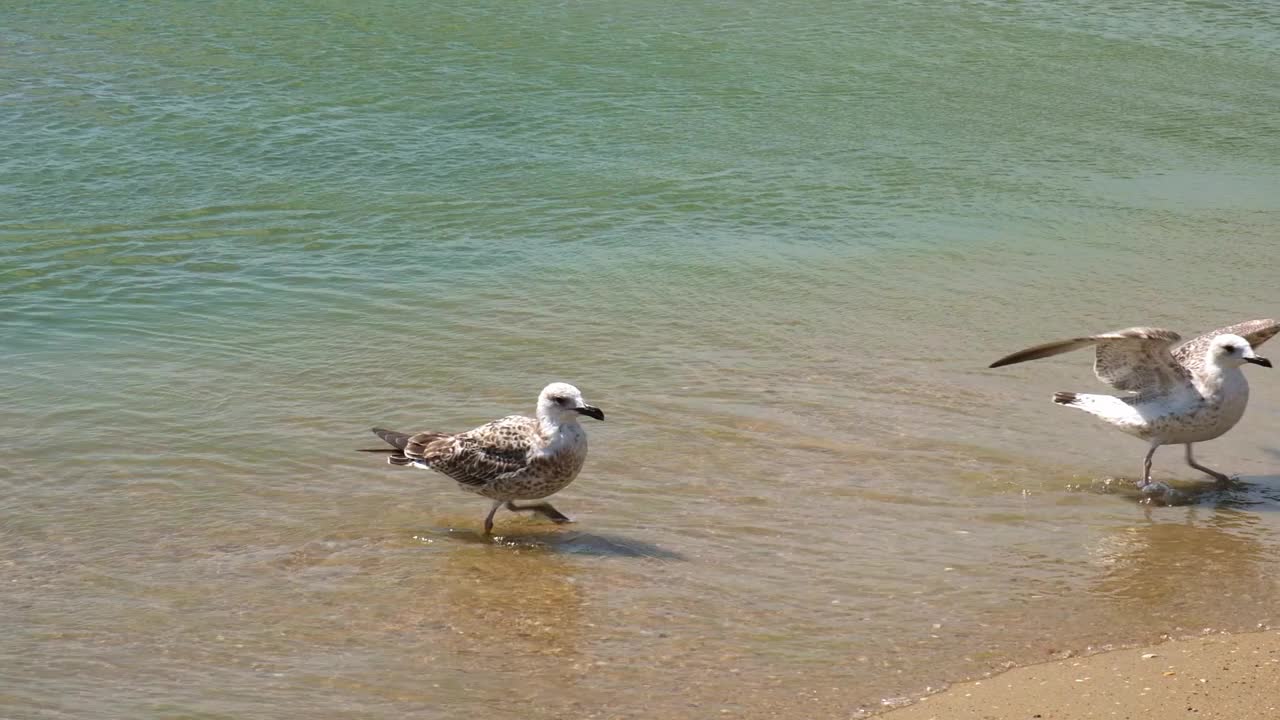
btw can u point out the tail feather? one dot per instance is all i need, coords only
(1115, 411)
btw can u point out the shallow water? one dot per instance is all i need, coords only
(778, 247)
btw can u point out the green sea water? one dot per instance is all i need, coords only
(777, 242)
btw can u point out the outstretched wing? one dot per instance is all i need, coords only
(1135, 359)
(478, 456)
(1191, 353)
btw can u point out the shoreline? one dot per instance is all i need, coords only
(1229, 676)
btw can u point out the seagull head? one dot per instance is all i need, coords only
(1234, 351)
(562, 402)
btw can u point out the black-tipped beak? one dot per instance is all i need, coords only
(1259, 361)
(590, 411)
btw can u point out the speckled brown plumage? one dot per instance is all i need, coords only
(513, 458)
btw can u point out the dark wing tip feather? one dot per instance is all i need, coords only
(1006, 360)
(396, 439)
(1039, 351)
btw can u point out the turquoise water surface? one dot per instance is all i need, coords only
(777, 242)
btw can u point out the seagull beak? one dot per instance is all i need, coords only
(590, 411)
(1259, 361)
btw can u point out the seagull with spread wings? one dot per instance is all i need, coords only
(1179, 393)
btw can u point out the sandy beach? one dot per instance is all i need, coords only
(1220, 676)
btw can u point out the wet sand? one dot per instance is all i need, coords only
(1220, 676)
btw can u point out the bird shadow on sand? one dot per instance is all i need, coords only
(565, 542)
(1257, 492)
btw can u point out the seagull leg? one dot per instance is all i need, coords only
(544, 509)
(488, 521)
(1146, 467)
(1222, 479)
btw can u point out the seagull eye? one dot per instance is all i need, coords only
(562, 400)
(1229, 348)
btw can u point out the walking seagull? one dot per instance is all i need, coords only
(513, 458)
(1178, 393)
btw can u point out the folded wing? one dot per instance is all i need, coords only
(478, 456)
